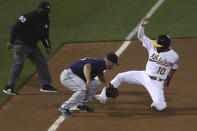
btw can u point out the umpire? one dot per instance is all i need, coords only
(28, 30)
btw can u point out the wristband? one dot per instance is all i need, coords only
(169, 77)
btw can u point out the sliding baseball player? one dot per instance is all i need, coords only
(161, 65)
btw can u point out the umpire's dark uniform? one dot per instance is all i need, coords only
(25, 34)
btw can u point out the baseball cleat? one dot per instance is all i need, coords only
(156, 109)
(65, 112)
(152, 105)
(48, 88)
(85, 108)
(9, 90)
(75, 109)
(100, 99)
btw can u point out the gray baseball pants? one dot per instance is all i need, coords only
(82, 95)
(21, 52)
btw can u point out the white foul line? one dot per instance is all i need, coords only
(134, 31)
(61, 118)
(56, 123)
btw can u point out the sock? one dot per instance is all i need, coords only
(103, 93)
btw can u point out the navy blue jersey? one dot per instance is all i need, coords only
(98, 66)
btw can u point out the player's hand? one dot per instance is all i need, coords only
(88, 84)
(10, 45)
(48, 50)
(145, 21)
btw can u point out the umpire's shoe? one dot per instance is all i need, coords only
(85, 108)
(65, 112)
(48, 88)
(9, 90)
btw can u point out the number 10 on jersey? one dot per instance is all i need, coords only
(161, 71)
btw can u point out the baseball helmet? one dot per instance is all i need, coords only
(162, 41)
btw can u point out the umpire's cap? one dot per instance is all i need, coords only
(162, 41)
(45, 6)
(112, 57)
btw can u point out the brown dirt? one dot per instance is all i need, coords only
(32, 110)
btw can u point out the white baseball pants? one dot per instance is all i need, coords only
(154, 87)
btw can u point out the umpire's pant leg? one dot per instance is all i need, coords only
(20, 54)
(38, 60)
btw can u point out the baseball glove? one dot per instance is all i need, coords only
(112, 92)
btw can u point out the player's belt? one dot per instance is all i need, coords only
(155, 78)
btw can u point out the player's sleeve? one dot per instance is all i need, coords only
(20, 23)
(147, 42)
(176, 64)
(96, 64)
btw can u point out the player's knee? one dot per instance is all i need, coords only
(83, 92)
(80, 94)
(97, 84)
(158, 108)
(161, 106)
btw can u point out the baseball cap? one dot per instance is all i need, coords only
(112, 57)
(45, 6)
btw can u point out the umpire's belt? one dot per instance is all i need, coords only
(155, 78)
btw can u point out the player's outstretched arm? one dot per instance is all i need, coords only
(141, 34)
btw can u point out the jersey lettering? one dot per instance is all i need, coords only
(22, 19)
(159, 60)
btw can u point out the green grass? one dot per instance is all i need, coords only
(177, 18)
(94, 20)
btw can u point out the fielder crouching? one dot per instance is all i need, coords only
(80, 78)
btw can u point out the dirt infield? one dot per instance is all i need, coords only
(32, 110)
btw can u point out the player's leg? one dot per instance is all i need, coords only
(131, 77)
(76, 84)
(74, 99)
(90, 94)
(155, 89)
(71, 81)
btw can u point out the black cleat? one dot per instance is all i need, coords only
(65, 112)
(9, 90)
(48, 88)
(85, 108)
